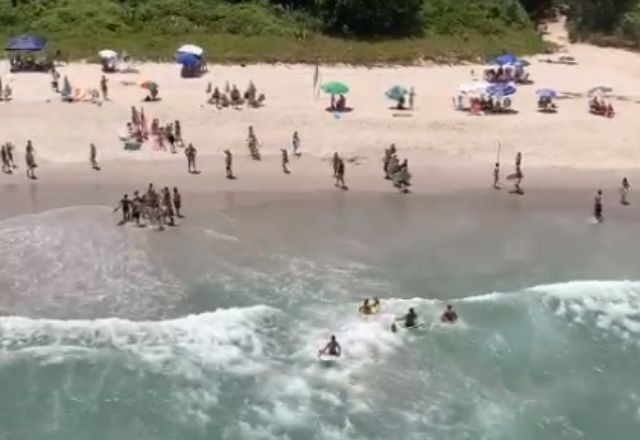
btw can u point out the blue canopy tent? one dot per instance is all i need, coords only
(23, 51)
(547, 93)
(192, 61)
(26, 43)
(501, 90)
(188, 59)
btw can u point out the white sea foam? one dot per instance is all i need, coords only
(219, 235)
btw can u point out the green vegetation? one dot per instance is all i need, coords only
(352, 31)
(608, 22)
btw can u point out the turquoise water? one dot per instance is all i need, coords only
(210, 331)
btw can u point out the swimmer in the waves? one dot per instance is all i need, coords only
(365, 308)
(410, 319)
(332, 348)
(449, 315)
(375, 307)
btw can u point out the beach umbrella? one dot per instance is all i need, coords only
(191, 49)
(501, 89)
(505, 59)
(149, 85)
(547, 93)
(187, 59)
(335, 88)
(108, 54)
(599, 89)
(474, 88)
(396, 93)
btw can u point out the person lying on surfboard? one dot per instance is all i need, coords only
(332, 348)
(449, 315)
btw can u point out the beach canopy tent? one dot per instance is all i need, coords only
(500, 90)
(26, 53)
(26, 43)
(508, 58)
(191, 58)
(109, 60)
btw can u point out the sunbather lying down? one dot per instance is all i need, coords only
(601, 108)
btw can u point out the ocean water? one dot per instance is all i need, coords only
(210, 330)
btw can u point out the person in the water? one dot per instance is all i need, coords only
(410, 319)
(375, 307)
(332, 348)
(449, 315)
(365, 308)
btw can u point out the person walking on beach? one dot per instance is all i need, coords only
(191, 153)
(136, 208)
(228, 163)
(171, 138)
(177, 202)
(6, 168)
(624, 189)
(496, 176)
(55, 80)
(104, 88)
(167, 206)
(519, 165)
(285, 161)
(517, 176)
(178, 133)
(30, 161)
(253, 144)
(93, 153)
(295, 142)
(340, 169)
(597, 207)
(334, 163)
(10, 160)
(388, 154)
(125, 205)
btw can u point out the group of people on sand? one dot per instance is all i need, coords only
(158, 208)
(161, 135)
(232, 97)
(598, 213)
(396, 171)
(409, 321)
(338, 105)
(8, 161)
(516, 177)
(599, 106)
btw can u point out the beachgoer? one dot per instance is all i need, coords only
(295, 142)
(388, 154)
(332, 348)
(253, 144)
(167, 206)
(410, 319)
(6, 168)
(171, 138)
(624, 190)
(30, 161)
(365, 308)
(93, 157)
(177, 202)
(136, 208)
(125, 205)
(412, 96)
(10, 160)
(191, 153)
(394, 327)
(496, 176)
(519, 165)
(597, 207)
(334, 163)
(401, 177)
(340, 174)
(285, 161)
(228, 162)
(55, 78)
(449, 315)
(376, 304)
(178, 133)
(104, 88)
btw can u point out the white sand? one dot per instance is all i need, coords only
(434, 134)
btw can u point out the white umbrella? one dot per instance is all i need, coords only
(192, 49)
(473, 88)
(600, 90)
(108, 54)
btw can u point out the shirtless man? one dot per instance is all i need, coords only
(285, 161)
(177, 202)
(228, 162)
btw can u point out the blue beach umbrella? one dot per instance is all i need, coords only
(547, 93)
(396, 93)
(501, 90)
(505, 59)
(187, 59)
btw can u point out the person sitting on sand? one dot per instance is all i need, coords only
(224, 101)
(609, 112)
(341, 105)
(215, 97)
(236, 99)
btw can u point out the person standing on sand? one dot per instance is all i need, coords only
(624, 189)
(519, 174)
(412, 96)
(171, 138)
(191, 153)
(177, 202)
(30, 161)
(12, 163)
(295, 142)
(136, 208)
(125, 204)
(104, 88)
(496, 176)
(388, 154)
(178, 134)
(285, 161)
(5, 161)
(228, 163)
(597, 207)
(253, 144)
(93, 157)
(340, 169)
(167, 206)
(55, 79)
(334, 163)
